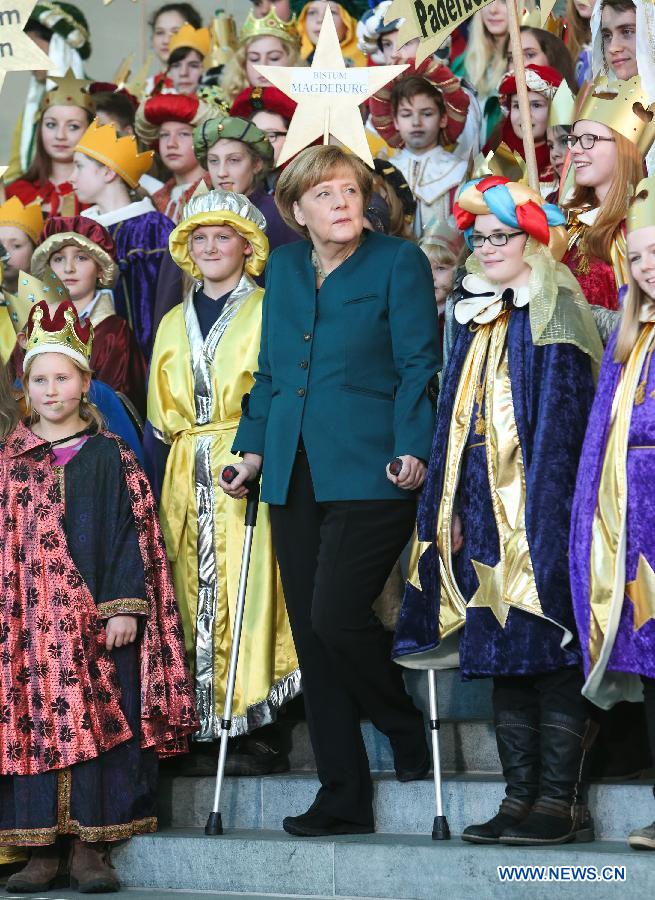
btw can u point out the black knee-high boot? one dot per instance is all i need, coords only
(558, 816)
(517, 739)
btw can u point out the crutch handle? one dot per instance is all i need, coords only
(228, 475)
(396, 466)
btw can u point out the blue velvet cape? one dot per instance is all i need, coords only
(552, 391)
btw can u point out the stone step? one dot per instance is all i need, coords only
(262, 803)
(465, 747)
(379, 866)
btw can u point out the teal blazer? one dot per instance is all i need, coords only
(347, 367)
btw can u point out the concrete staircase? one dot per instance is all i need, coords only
(255, 858)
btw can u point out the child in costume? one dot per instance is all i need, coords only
(270, 110)
(268, 41)
(64, 115)
(107, 168)
(310, 21)
(188, 49)
(82, 255)
(165, 22)
(166, 122)
(422, 122)
(510, 425)
(608, 144)
(93, 678)
(613, 522)
(203, 362)
(444, 246)
(20, 227)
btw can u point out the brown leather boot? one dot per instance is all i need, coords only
(91, 872)
(39, 874)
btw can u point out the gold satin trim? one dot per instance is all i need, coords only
(511, 582)
(606, 589)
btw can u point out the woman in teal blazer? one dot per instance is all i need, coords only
(349, 347)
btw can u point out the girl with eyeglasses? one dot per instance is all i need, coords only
(493, 576)
(606, 165)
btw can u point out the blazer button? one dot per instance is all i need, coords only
(301, 392)
(307, 336)
(304, 364)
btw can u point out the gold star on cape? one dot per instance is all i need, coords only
(489, 594)
(641, 592)
(17, 52)
(328, 113)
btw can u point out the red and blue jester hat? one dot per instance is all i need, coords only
(558, 310)
(515, 205)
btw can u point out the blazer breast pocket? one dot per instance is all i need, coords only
(362, 298)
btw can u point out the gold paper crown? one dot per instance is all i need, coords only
(621, 105)
(101, 143)
(69, 91)
(533, 19)
(502, 161)
(198, 39)
(62, 332)
(224, 38)
(28, 219)
(562, 107)
(272, 25)
(641, 210)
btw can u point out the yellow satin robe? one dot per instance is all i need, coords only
(268, 673)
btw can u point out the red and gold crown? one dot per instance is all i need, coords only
(69, 91)
(28, 219)
(198, 39)
(101, 143)
(61, 332)
(270, 25)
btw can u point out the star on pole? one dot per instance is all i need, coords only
(17, 52)
(489, 594)
(641, 592)
(323, 109)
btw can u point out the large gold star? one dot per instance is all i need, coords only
(489, 594)
(17, 52)
(328, 96)
(641, 592)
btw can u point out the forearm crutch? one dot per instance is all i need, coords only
(440, 827)
(214, 824)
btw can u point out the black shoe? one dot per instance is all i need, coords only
(316, 824)
(405, 775)
(551, 822)
(509, 815)
(251, 756)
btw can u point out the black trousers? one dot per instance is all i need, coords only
(552, 692)
(334, 560)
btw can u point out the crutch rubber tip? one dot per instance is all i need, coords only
(440, 829)
(214, 824)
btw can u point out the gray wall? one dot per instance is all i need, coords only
(116, 31)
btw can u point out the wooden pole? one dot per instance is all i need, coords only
(522, 94)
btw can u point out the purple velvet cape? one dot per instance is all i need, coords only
(141, 243)
(552, 391)
(634, 651)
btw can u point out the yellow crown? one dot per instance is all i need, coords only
(533, 19)
(272, 25)
(101, 143)
(58, 332)
(198, 39)
(562, 107)
(224, 38)
(621, 105)
(69, 91)
(28, 219)
(641, 210)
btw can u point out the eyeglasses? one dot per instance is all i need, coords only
(497, 239)
(587, 141)
(274, 135)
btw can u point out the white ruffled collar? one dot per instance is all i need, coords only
(483, 301)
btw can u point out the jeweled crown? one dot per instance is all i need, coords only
(69, 91)
(101, 143)
(641, 210)
(272, 25)
(63, 332)
(622, 106)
